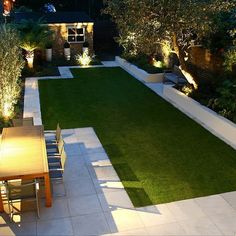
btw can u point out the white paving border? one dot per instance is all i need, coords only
(110, 209)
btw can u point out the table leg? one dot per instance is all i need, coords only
(1, 203)
(48, 194)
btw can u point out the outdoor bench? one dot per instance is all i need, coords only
(175, 76)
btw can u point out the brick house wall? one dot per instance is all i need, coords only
(61, 36)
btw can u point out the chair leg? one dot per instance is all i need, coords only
(37, 204)
(11, 211)
(37, 188)
(64, 188)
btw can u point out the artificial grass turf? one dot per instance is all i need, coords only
(160, 154)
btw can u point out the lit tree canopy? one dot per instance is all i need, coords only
(145, 24)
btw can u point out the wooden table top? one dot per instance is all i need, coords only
(23, 151)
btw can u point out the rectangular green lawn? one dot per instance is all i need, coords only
(159, 153)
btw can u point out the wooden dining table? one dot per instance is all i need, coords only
(23, 155)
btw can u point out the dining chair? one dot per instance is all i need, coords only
(53, 137)
(2, 189)
(56, 166)
(19, 191)
(56, 149)
(60, 163)
(28, 121)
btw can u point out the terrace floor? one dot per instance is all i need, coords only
(97, 204)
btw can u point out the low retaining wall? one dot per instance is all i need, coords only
(216, 124)
(139, 73)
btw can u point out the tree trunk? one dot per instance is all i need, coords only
(183, 66)
(179, 53)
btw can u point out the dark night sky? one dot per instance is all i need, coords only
(89, 6)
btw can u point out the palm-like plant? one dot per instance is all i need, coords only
(34, 35)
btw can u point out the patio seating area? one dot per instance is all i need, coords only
(23, 158)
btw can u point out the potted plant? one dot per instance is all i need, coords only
(48, 51)
(85, 46)
(67, 50)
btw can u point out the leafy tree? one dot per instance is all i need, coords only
(145, 24)
(11, 64)
(230, 54)
(221, 36)
(33, 35)
(136, 24)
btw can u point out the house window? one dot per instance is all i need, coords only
(76, 35)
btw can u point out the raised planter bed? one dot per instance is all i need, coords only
(216, 124)
(139, 73)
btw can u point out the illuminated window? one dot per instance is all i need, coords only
(75, 35)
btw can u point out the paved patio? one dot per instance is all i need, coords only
(96, 202)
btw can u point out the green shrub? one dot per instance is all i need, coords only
(225, 102)
(230, 59)
(96, 61)
(40, 70)
(4, 123)
(143, 62)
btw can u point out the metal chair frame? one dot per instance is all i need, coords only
(58, 166)
(27, 121)
(57, 136)
(55, 150)
(11, 200)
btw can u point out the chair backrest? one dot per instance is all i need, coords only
(21, 189)
(17, 122)
(28, 121)
(58, 133)
(60, 145)
(63, 158)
